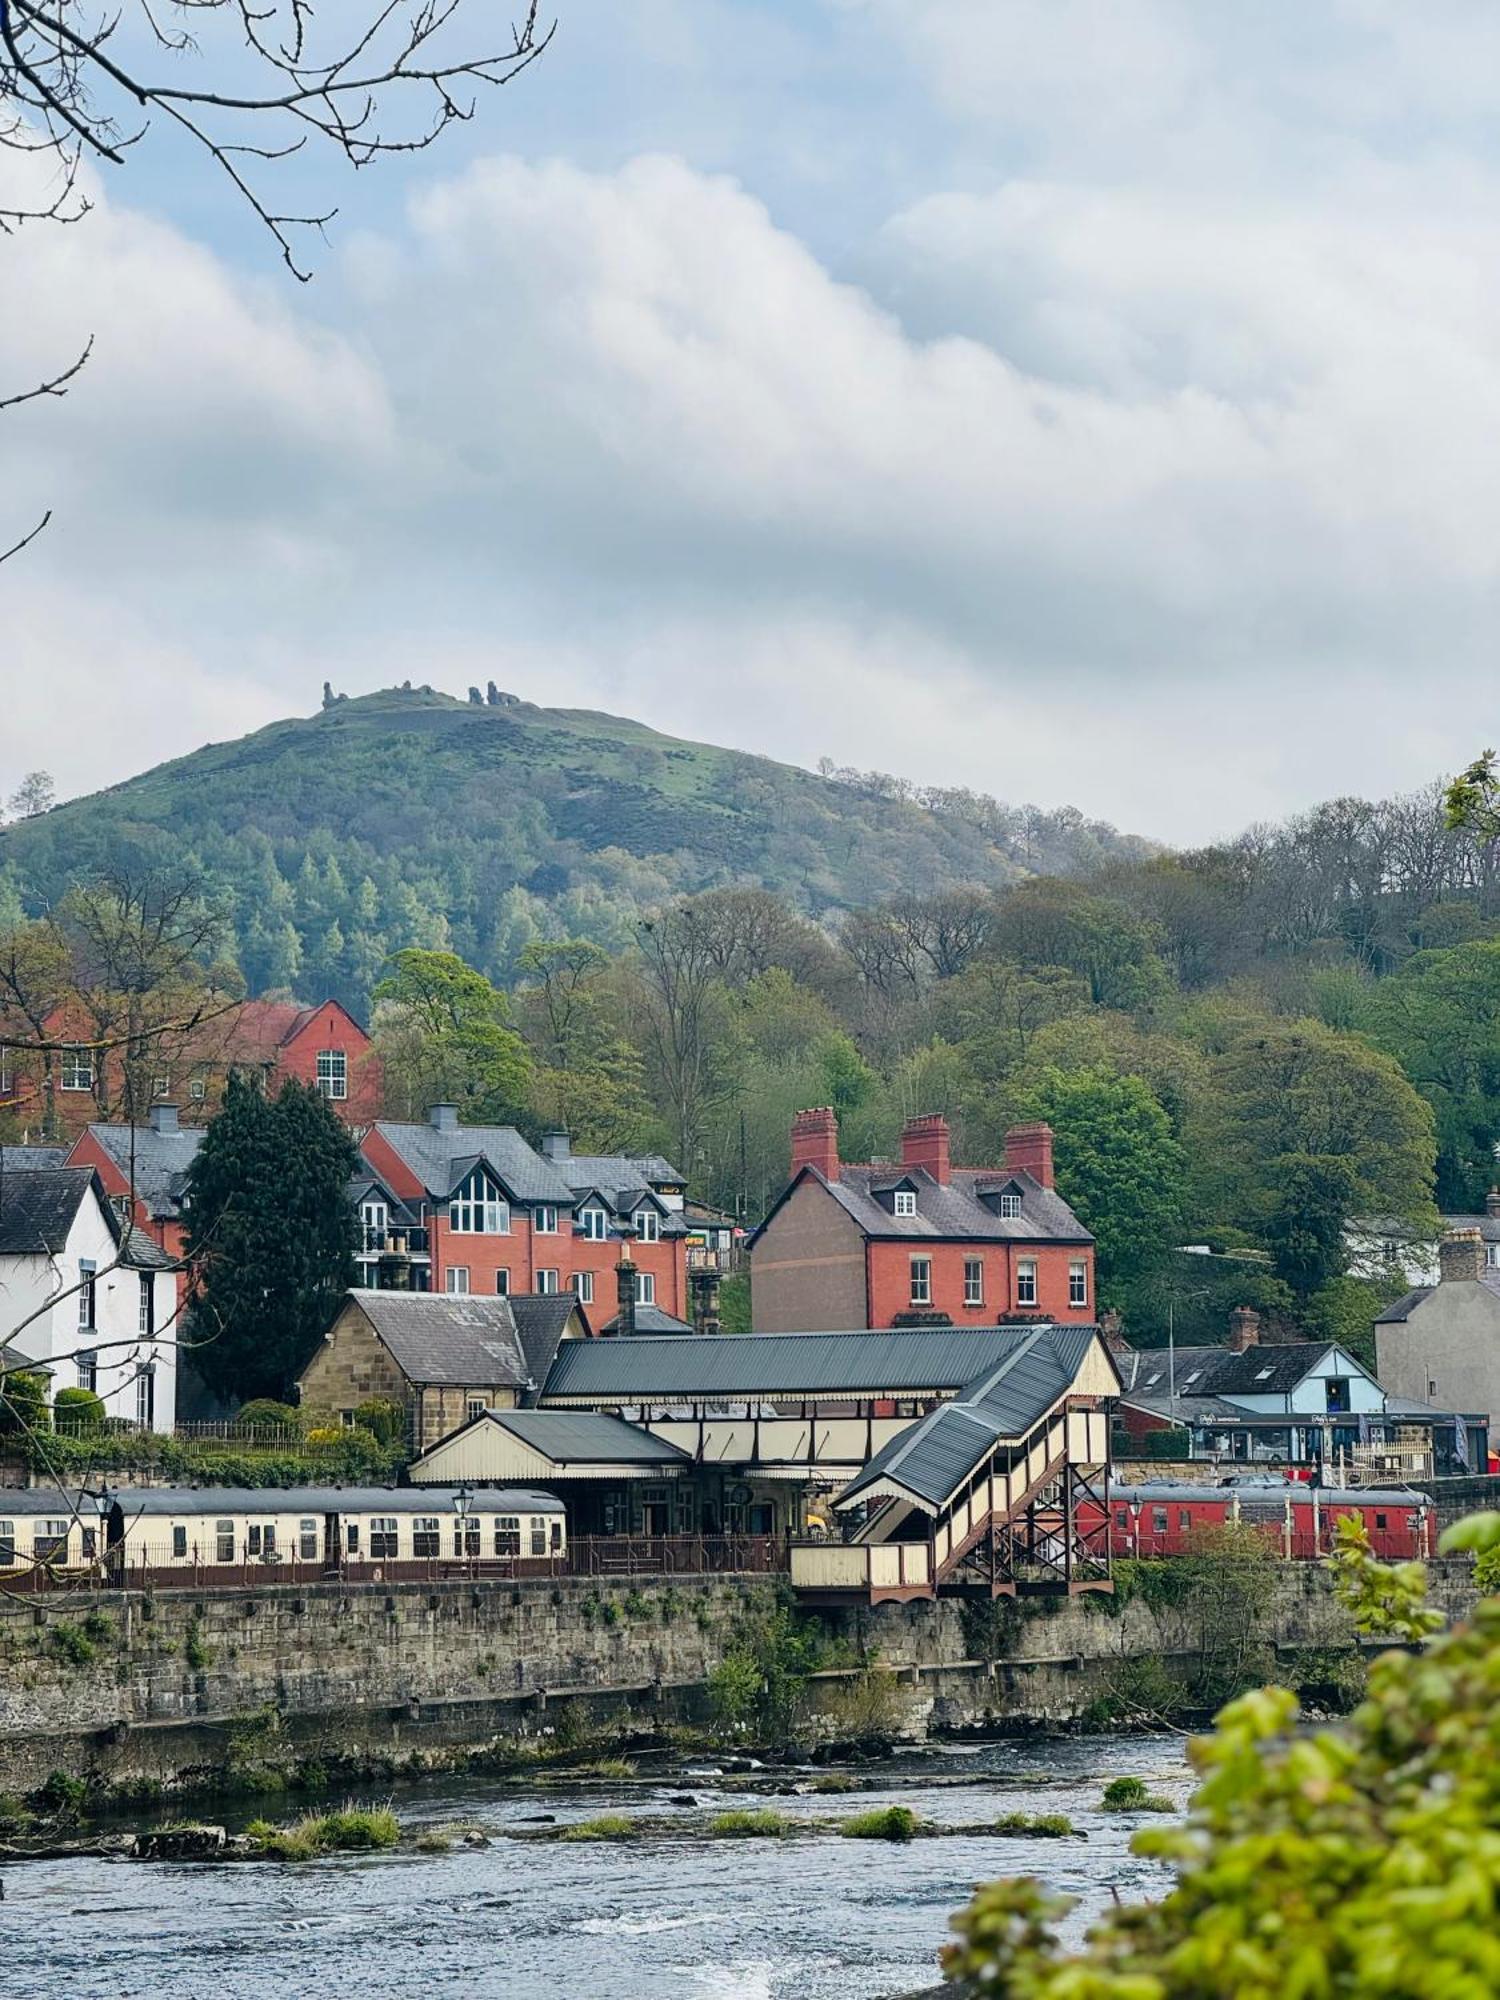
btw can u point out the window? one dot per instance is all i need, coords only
(1491, 1250)
(145, 1399)
(161, 1086)
(50, 1543)
(351, 1538)
(1078, 1283)
(593, 1223)
(466, 1537)
(544, 1220)
(906, 1202)
(1010, 1205)
(507, 1534)
(382, 1538)
(145, 1312)
(1122, 1517)
(1159, 1520)
(260, 1539)
(546, 1281)
(77, 1069)
(90, 1543)
(1337, 1390)
(502, 1284)
(88, 1370)
(307, 1540)
(476, 1407)
(7, 1074)
(7, 1544)
(479, 1208)
(456, 1278)
(583, 1285)
(921, 1281)
(1026, 1282)
(179, 1540)
(424, 1535)
(648, 1226)
(86, 1269)
(224, 1541)
(538, 1536)
(333, 1073)
(645, 1288)
(197, 1089)
(1184, 1519)
(1380, 1520)
(973, 1281)
(373, 1218)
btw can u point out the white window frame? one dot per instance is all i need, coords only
(161, 1086)
(333, 1074)
(502, 1284)
(547, 1282)
(86, 1362)
(583, 1286)
(905, 1202)
(1078, 1282)
(198, 1089)
(75, 1068)
(383, 1531)
(593, 1223)
(87, 1303)
(456, 1281)
(1026, 1282)
(648, 1225)
(544, 1219)
(307, 1538)
(478, 1208)
(645, 1288)
(476, 1407)
(1010, 1206)
(224, 1541)
(921, 1281)
(145, 1312)
(973, 1281)
(430, 1528)
(145, 1398)
(374, 1224)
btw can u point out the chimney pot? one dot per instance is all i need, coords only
(925, 1143)
(1492, 1202)
(815, 1141)
(1461, 1256)
(1028, 1149)
(164, 1118)
(1244, 1329)
(443, 1117)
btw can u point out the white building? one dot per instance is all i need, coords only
(91, 1304)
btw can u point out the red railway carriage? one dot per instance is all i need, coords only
(1161, 1517)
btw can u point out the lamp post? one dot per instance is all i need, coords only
(461, 1499)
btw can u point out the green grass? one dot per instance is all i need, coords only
(606, 1826)
(350, 1830)
(881, 1823)
(603, 1767)
(1133, 1795)
(835, 1782)
(750, 1825)
(1040, 1826)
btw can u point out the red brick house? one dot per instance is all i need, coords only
(497, 1215)
(322, 1045)
(918, 1241)
(149, 1163)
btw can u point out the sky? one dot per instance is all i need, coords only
(1086, 401)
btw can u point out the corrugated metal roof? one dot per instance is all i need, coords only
(719, 1367)
(578, 1437)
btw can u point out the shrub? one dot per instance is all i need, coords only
(325, 1434)
(62, 1794)
(265, 1413)
(352, 1829)
(433, 1841)
(78, 1412)
(606, 1826)
(872, 1707)
(834, 1781)
(73, 1644)
(882, 1823)
(195, 1651)
(1042, 1826)
(1124, 1794)
(384, 1418)
(23, 1404)
(750, 1825)
(15, 1814)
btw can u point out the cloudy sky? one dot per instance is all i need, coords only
(1090, 401)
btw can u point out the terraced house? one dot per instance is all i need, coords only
(918, 1241)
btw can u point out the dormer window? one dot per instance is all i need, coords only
(593, 1223)
(479, 1208)
(648, 1226)
(1010, 1204)
(905, 1202)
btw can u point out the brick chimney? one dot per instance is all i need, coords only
(1113, 1328)
(1244, 1329)
(1492, 1202)
(925, 1143)
(815, 1142)
(1028, 1149)
(1461, 1256)
(164, 1118)
(625, 1297)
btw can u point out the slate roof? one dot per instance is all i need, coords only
(27, 1159)
(1273, 1370)
(580, 1437)
(1407, 1304)
(365, 1187)
(541, 1321)
(949, 1211)
(651, 1319)
(440, 1160)
(731, 1367)
(38, 1209)
(447, 1339)
(161, 1163)
(611, 1172)
(140, 1253)
(944, 1449)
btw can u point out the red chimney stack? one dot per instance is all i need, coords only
(925, 1143)
(1028, 1149)
(815, 1142)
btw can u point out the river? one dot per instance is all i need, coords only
(805, 1918)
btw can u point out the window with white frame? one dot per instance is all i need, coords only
(583, 1285)
(333, 1073)
(502, 1284)
(593, 1223)
(161, 1086)
(544, 1220)
(456, 1278)
(7, 1544)
(145, 1312)
(1026, 1282)
(7, 1074)
(382, 1538)
(76, 1070)
(145, 1399)
(307, 1540)
(86, 1270)
(973, 1281)
(476, 1407)
(921, 1281)
(179, 1539)
(1078, 1282)
(87, 1364)
(50, 1541)
(507, 1534)
(1492, 1253)
(424, 1535)
(260, 1539)
(373, 1219)
(198, 1089)
(648, 1225)
(645, 1288)
(538, 1535)
(546, 1281)
(479, 1208)
(224, 1541)
(906, 1202)
(1010, 1205)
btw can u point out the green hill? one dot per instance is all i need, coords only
(409, 817)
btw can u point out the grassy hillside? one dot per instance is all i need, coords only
(409, 817)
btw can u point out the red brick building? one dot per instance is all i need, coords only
(919, 1241)
(494, 1214)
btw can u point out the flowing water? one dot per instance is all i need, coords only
(816, 1918)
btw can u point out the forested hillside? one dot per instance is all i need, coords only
(408, 818)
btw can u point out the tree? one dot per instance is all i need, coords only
(445, 1037)
(1440, 1017)
(272, 1237)
(1471, 803)
(1118, 1167)
(35, 794)
(1050, 923)
(1313, 1195)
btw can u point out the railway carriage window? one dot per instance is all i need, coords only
(538, 1536)
(424, 1535)
(557, 1528)
(1380, 1520)
(1122, 1517)
(51, 1542)
(90, 1543)
(1159, 1520)
(224, 1541)
(252, 1539)
(466, 1535)
(307, 1540)
(7, 1544)
(179, 1541)
(1184, 1517)
(383, 1538)
(508, 1535)
(260, 1538)
(351, 1538)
